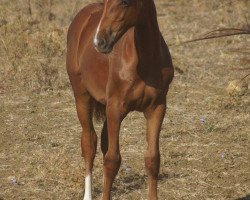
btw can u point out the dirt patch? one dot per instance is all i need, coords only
(204, 138)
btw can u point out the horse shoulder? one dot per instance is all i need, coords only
(81, 20)
(76, 28)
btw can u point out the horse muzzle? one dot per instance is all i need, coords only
(103, 45)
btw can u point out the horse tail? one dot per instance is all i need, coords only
(99, 111)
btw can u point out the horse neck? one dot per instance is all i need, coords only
(147, 36)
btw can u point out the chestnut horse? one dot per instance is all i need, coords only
(118, 60)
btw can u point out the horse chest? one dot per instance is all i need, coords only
(145, 95)
(137, 93)
(136, 89)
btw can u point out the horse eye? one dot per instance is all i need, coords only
(125, 2)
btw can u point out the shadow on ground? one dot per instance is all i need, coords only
(244, 198)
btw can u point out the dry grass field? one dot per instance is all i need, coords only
(205, 136)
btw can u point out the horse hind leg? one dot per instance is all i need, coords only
(104, 139)
(88, 140)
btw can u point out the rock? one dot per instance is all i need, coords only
(238, 87)
(12, 179)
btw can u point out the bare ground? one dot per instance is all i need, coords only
(205, 135)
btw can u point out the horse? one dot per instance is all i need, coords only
(118, 62)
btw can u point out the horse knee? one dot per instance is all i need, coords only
(89, 145)
(112, 162)
(152, 164)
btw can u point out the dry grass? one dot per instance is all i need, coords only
(205, 136)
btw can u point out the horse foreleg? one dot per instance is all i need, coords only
(112, 158)
(88, 143)
(154, 118)
(88, 140)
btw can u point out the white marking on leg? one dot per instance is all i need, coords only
(88, 187)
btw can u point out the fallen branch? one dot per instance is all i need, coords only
(241, 69)
(223, 32)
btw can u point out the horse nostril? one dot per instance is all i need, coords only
(100, 43)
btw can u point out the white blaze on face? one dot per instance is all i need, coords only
(95, 38)
(88, 188)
